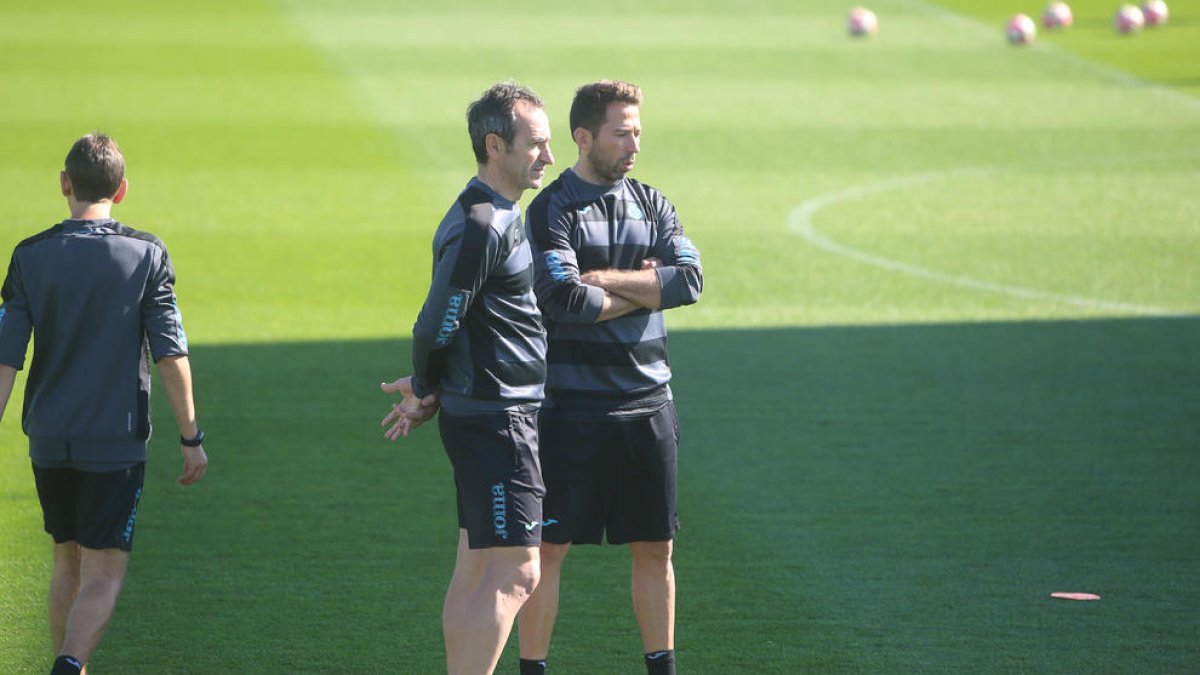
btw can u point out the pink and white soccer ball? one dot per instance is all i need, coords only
(862, 22)
(1128, 19)
(1021, 30)
(1154, 12)
(1057, 15)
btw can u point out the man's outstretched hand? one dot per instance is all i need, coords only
(410, 413)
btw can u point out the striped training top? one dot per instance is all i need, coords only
(618, 366)
(479, 337)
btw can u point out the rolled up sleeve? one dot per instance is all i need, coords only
(161, 318)
(680, 276)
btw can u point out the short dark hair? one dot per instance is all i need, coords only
(96, 167)
(590, 106)
(492, 113)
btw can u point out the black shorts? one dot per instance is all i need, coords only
(93, 509)
(497, 475)
(611, 477)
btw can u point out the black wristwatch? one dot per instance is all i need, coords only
(193, 442)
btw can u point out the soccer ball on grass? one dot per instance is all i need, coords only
(1128, 19)
(1057, 16)
(1021, 30)
(1154, 12)
(862, 22)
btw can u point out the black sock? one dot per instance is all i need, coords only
(533, 667)
(661, 663)
(66, 665)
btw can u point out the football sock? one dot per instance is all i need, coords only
(66, 665)
(533, 667)
(661, 663)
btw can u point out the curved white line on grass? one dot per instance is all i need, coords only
(800, 221)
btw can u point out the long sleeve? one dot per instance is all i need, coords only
(680, 276)
(161, 317)
(561, 295)
(465, 252)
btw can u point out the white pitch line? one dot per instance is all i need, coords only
(1127, 79)
(800, 221)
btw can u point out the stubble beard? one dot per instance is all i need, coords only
(611, 173)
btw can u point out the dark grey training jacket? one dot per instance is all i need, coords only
(98, 297)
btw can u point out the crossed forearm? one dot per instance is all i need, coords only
(637, 287)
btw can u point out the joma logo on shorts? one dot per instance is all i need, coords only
(127, 535)
(450, 318)
(499, 511)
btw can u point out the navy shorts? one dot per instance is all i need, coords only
(96, 510)
(498, 476)
(610, 478)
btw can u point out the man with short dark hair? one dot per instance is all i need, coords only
(98, 297)
(610, 255)
(478, 354)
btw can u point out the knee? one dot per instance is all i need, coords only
(520, 583)
(101, 587)
(527, 577)
(552, 555)
(103, 570)
(652, 554)
(108, 582)
(517, 579)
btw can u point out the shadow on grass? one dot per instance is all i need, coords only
(904, 499)
(855, 500)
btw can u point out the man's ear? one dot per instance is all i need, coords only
(495, 145)
(121, 191)
(582, 137)
(64, 182)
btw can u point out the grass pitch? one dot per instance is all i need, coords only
(944, 365)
